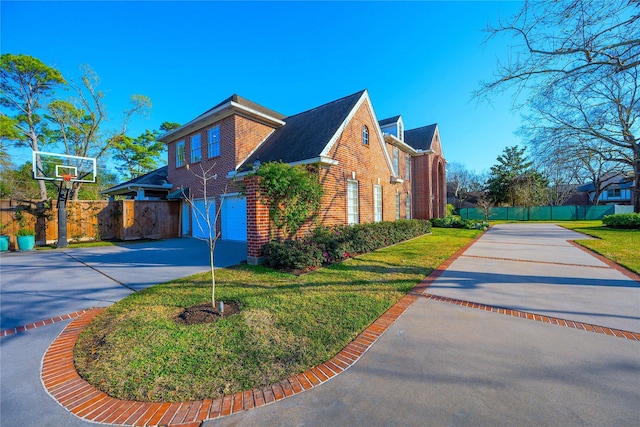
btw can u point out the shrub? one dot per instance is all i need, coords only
(25, 232)
(451, 210)
(457, 222)
(630, 220)
(326, 245)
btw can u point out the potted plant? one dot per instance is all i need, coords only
(26, 239)
(4, 239)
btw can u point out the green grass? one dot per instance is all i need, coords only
(288, 323)
(620, 246)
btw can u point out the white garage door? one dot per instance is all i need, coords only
(199, 223)
(234, 218)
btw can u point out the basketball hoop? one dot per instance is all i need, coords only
(67, 177)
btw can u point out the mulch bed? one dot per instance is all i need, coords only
(205, 313)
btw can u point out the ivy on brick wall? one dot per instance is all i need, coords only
(292, 194)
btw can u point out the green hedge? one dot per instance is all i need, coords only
(326, 245)
(630, 220)
(455, 221)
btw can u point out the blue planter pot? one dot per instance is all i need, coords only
(26, 243)
(4, 243)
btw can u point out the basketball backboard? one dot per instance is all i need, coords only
(58, 167)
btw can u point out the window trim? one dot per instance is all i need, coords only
(365, 135)
(196, 152)
(377, 203)
(353, 203)
(407, 167)
(211, 152)
(181, 155)
(396, 161)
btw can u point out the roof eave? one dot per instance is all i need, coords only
(322, 161)
(393, 140)
(217, 114)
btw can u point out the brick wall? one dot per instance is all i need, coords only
(238, 137)
(371, 168)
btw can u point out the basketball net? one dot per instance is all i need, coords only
(66, 187)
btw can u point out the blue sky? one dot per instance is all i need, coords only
(418, 59)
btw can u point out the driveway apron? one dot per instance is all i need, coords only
(446, 364)
(40, 285)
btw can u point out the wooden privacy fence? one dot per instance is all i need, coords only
(89, 220)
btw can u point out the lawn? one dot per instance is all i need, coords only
(620, 246)
(287, 324)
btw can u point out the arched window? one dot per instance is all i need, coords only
(365, 135)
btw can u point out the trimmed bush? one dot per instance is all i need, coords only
(630, 220)
(326, 245)
(457, 222)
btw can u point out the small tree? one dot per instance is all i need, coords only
(292, 194)
(206, 220)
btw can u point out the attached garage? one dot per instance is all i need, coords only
(199, 224)
(234, 218)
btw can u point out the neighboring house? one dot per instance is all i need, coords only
(371, 170)
(617, 188)
(151, 186)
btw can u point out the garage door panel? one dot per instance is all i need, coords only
(234, 218)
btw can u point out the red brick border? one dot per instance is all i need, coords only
(635, 336)
(630, 274)
(63, 383)
(41, 323)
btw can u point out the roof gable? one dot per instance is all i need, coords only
(421, 138)
(306, 135)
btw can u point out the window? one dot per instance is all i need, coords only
(352, 202)
(614, 192)
(196, 149)
(400, 131)
(397, 206)
(407, 167)
(180, 159)
(214, 142)
(377, 203)
(395, 161)
(407, 202)
(365, 135)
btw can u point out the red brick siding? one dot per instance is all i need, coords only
(370, 167)
(238, 137)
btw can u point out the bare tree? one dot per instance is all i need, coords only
(576, 62)
(461, 182)
(79, 120)
(206, 220)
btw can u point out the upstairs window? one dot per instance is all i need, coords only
(214, 142)
(407, 167)
(352, 202)
(365, 135)
(400, 131)
(180, 155)
(395, 161)
(196, 149)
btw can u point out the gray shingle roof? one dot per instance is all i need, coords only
(420, 138)
(153, 178)
(306, 134)
(390, 120)
(249, 104)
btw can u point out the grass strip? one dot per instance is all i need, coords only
(620, 246)
(288, 323)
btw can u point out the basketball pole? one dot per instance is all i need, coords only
(66, 186)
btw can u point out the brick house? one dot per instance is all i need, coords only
(371, 170)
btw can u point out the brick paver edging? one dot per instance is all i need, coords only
(62, 382)
(41, 323)
(635, 336)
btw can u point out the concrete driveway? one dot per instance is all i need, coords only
(41, 285)
(446, 364)
(446, 361)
